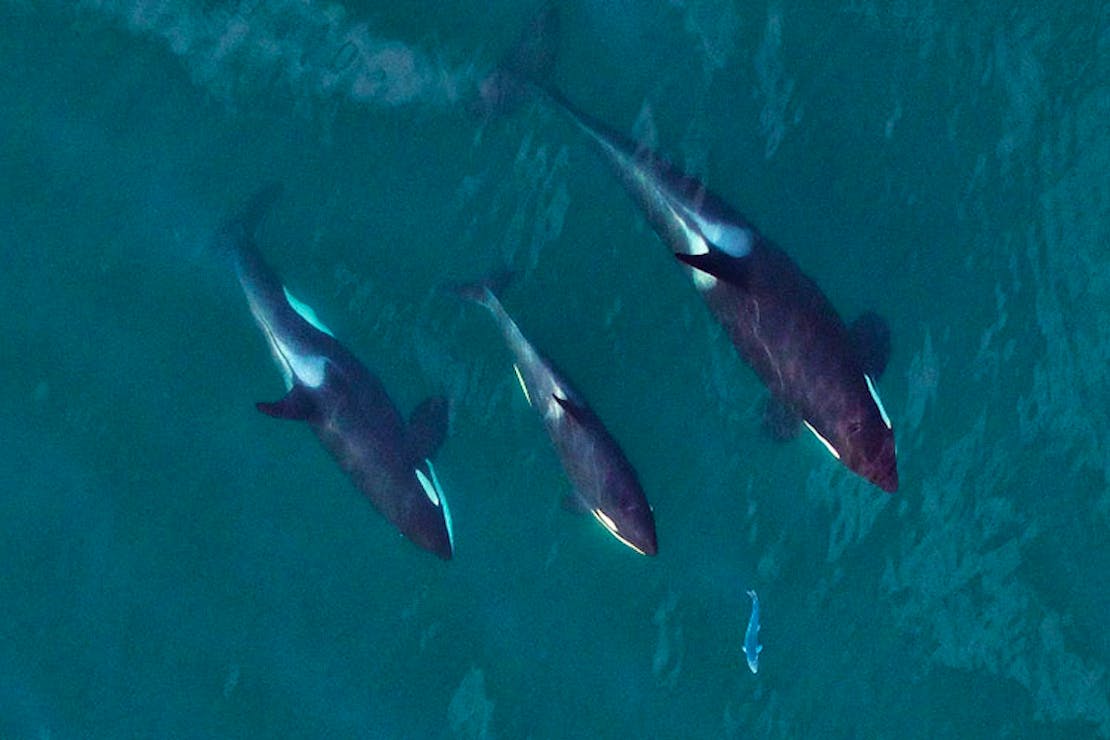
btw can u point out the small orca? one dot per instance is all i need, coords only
(343, 402)
(604, 482)
(818, 370)
(752, 648)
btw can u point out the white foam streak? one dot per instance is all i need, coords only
(296, 48)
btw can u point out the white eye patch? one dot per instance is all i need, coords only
(878, 401)
(434, 491)
(827, 443)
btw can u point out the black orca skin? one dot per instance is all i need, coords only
(779, 320)
(605, 483)
(345, 404)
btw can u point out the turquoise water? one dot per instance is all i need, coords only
(175, 564)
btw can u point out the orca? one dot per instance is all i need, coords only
(387, 458)
(603, 480)
(819, 371)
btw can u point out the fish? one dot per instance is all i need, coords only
(820, 372)
(604, 482)
(345, 404)
(751, 647)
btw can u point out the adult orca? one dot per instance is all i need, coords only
(818, 370)
(604, 482)
(344, 403)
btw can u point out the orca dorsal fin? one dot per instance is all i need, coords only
(780, 422)
(239, 229)
(871, 338)
(296, 405)
(427, 428)
(574, 411)
(732, 270)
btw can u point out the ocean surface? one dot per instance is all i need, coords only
(174, 564)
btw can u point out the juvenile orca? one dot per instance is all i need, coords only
(343, 402)
(604, 482)
(817, 369)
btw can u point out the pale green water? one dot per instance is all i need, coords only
(174, 564)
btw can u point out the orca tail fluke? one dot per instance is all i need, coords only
(477, 292)
(240, 227)
(537, 49)
(483, 292)
(528, 65)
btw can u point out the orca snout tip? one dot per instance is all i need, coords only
(639, 533)
(646, 542)
(888, 480)
(442, 548)
(442, 545)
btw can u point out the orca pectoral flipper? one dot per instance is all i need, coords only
(427, 428)
(297, 405)
(779, 422)
(871, 338)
